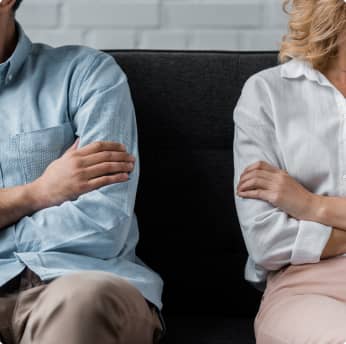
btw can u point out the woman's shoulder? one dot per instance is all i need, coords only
(278, 72)
(273, 78)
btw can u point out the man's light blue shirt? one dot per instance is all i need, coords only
(48, 97)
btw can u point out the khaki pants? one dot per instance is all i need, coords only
(85, 307)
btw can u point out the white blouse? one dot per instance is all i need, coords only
(292, 117)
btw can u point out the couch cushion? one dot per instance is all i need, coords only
(209, 330)
(189, 231)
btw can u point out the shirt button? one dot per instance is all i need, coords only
(10, 77)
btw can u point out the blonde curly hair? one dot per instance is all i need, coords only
(313, 31)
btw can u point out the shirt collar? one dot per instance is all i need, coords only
(21, 52)
(296, 68)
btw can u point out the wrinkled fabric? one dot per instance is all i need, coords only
(48, 97)
(84, 307)
(292, 117)
(304, 304)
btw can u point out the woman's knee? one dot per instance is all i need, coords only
(301, 318)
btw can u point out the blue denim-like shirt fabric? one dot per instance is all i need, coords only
(49, 96)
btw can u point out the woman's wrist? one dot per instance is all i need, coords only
(317, 208)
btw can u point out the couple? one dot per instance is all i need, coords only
(69, 172)
(68, 268)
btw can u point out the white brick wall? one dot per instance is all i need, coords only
(156, 24)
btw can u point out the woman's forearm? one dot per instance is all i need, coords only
(328, 210)
(336, 244)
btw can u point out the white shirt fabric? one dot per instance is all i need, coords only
(292, 117)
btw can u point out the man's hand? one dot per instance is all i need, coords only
(269, 183)
(82, 170)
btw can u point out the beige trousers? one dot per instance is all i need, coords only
(304, 304)
(86, 307)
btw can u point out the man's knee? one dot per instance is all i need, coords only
(96, 290)
(94, 305)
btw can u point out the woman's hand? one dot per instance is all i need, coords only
(269, 183)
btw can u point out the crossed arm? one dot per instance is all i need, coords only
(16, 202)
(327, 210)
(97, 223)
(68, 177)
(277, 229)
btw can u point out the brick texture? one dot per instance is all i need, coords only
(156, 24)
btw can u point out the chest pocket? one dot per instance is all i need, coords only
(38, 148)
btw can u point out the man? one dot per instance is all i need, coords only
(68, 269)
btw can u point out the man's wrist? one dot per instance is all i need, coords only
(36, 196)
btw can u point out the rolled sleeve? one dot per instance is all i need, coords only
(311, 239)
(272, 237)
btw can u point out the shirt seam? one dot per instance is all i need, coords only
(82, 78)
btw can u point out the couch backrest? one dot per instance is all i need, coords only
(189, 231)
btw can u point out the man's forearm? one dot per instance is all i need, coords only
(17, 202)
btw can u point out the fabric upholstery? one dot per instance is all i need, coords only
(188, 225)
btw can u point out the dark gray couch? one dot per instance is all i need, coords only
(188, 224)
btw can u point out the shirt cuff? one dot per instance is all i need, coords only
(311, 240)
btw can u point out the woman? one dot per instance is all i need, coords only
(290, 179)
